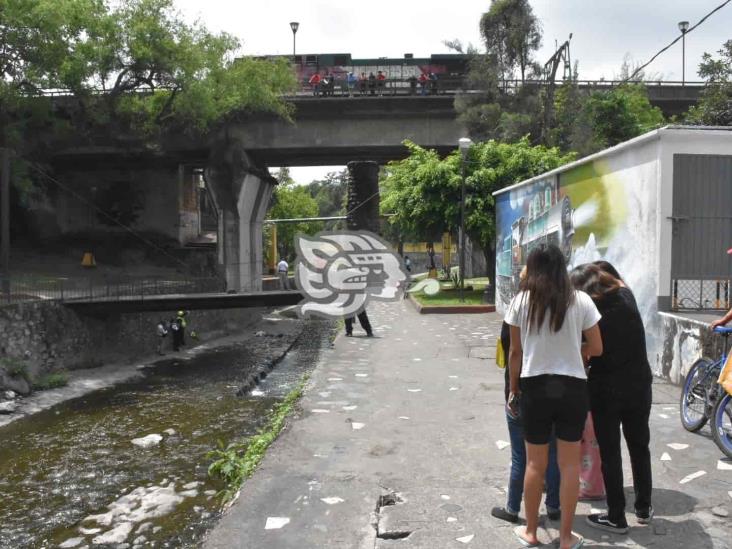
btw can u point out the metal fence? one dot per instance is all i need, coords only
(29, 288)
(696, 295)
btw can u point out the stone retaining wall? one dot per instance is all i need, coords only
(53, 337)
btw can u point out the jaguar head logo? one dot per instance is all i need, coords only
(338, 273)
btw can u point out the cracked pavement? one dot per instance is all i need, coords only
(400, 442)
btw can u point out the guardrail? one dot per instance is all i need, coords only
(29, 288)
(698, 295)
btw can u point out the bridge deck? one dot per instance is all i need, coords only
(173, 302)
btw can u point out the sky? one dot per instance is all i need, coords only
(604, 31)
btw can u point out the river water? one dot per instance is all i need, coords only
(70, 476)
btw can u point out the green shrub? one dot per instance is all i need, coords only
(51, 381)
(236, 462)
(15, 367)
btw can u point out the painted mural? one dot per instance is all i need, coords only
(605, 209)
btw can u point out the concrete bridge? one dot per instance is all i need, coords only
(229, 170)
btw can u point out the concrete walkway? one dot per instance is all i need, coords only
(401, 442)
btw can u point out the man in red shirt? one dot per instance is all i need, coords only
(315, 83)
(380, 82)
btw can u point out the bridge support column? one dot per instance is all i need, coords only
(241, 194)
(363, 196)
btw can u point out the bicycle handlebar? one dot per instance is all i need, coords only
(723, 330)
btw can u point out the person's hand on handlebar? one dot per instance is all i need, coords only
(719, 322)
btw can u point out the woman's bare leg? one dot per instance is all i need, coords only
(537, 457)
(568, 456)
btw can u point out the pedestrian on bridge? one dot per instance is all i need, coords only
(175, 329)
(282, 268)
(182, 323)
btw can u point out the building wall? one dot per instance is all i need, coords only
(612, 200)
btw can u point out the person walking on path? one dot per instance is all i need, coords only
(619, 384)
(548, 320)
(363, 319)
(282, 268)
(510, 512)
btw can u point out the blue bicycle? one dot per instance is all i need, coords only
(703, 398)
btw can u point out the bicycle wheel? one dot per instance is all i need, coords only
(694, 405)
(722, 424)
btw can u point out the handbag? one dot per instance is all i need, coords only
(500, 354)
(592, 485)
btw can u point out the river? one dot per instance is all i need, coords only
(70, 476)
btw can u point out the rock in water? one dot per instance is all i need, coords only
(7, 407)
(148, 441)
(10, 395)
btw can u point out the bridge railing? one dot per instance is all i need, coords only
(37, 288)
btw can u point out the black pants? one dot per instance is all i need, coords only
(363, 319)
(177, 339)
(610, 411)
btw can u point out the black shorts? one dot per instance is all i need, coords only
(552, 402)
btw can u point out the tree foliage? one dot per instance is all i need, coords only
(715, 105)
(512, 34)
(423, 190)
(291, 201)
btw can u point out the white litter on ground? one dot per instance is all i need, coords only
(465, 539)
(664, 416)
(356, 426)
(677, 446)
(501, 444)
(257, 393)
(351, 407)
(362, 375)
(665, 457)
(320, 411)
(275, 523)
(451, 519)
(445, 497)
(453, 388)
(724, 465)
(692, 476)
(332, 500)
(414, 390)
(169, 432)
(403, 417)
(417, 359)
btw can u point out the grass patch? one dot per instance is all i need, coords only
(236, 462)
(474, 297)
(15, 368)
(51, 381)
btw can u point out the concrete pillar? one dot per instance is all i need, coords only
(241, 194)
(363, 196)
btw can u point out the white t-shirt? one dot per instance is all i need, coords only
(548, 352)
(282, 266)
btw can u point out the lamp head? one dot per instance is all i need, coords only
(294, 26)
(464, 145)
(683, 26)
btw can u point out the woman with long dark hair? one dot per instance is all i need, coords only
(619, 384)
(548, 319)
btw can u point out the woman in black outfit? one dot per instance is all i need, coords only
(619, 384)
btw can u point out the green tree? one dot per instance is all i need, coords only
(423, 190)
(715, 105)
(291, 201)
(512, 34)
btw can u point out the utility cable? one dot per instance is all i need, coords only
(639, 69)
(105, 214)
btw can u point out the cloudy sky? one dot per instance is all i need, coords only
(604, 31)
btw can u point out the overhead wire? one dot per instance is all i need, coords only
(707, 16)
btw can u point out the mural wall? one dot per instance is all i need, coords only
(603, 209)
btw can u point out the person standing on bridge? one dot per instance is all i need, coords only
(315, 83)
(162, 334)
(282, 268)
(175, 331)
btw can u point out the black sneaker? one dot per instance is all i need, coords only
(644, 517)
(503, 514)
(553, 514)
(602, 522)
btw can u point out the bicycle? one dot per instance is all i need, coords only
(702, 398)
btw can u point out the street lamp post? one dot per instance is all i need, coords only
(294, 25)
(464, 146)
(683, 27)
